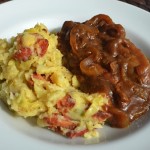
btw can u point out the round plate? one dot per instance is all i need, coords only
(18, 133)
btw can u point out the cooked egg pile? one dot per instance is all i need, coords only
(34, 83)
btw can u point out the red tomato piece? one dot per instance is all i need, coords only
(101, 115)
(43, 44)
(22, 54)
(36, 76)
(66, 101)
(57, 120)
(65, 104)
(30, 83)
(73, 134)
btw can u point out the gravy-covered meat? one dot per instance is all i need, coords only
(104, 60)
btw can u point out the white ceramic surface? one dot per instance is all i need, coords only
(20, 134)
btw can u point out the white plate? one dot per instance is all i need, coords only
(17, 133)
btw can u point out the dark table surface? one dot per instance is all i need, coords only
(144, 4)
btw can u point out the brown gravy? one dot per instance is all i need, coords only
(104, 60)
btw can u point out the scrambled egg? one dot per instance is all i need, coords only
(34, 83)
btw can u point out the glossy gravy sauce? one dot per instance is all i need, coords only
(105, 61)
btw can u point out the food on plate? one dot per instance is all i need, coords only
(34, 83)
(104, 60)
(75, 81)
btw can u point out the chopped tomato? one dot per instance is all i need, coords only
(101, 116)
(36, 76)
(43, 45)
(66, 101)
(57, 120)
(30, 83)
(22, 54)
(73, 134)
(56, 129)
(65, 104)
